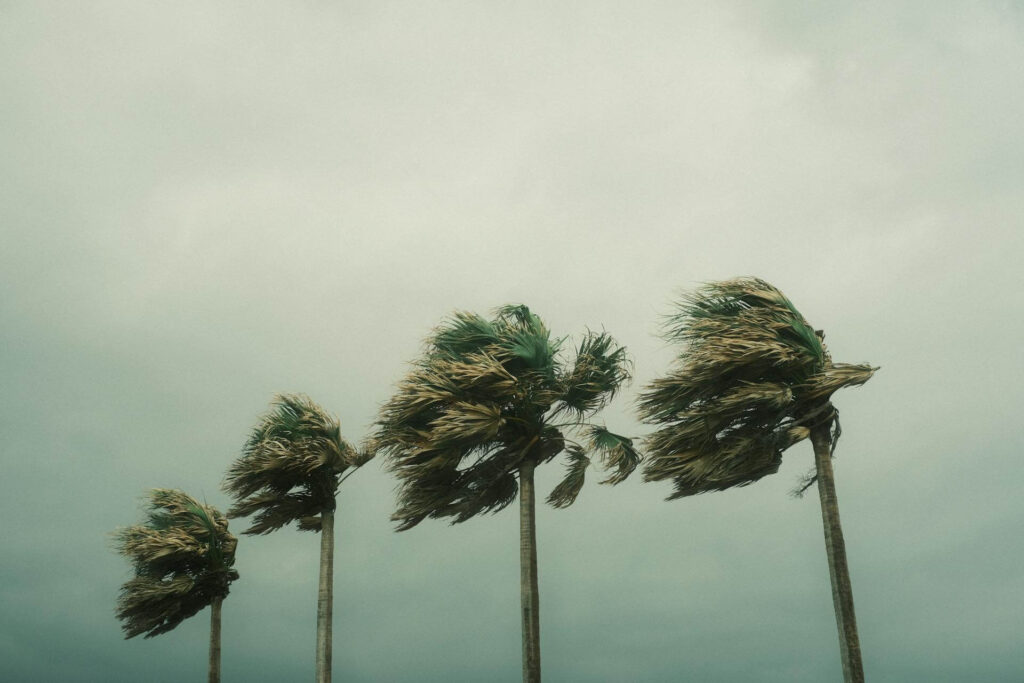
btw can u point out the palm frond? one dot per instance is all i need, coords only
(272, 511)
(600, 370)
(738, 458)
(617, 453)
(463, 334)
(363, 454)
(525, 341)
(821, 386)
(466, 423)
(742, 303)
(565, 493)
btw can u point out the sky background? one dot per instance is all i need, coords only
(202, 204)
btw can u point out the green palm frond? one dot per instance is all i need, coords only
(290, 466)
(462, 335)
(524, 335)
(480, 401)
(750, 375)
(616, 453)
(601, 368)
(182, 558)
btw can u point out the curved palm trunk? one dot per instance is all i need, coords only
(215, 640)
(325, 598)
(528, 575)
(842, 592)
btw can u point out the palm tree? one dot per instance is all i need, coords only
(489, 401)
(289, 471)
(183, 557)
(753, 379)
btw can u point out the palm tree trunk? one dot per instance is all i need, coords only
(325, 598)
(835, 547)
(215, 640)
(528, 575)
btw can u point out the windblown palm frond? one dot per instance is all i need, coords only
(481, 400)
(565, 493)
(290, 467)
(182, 556)
(750, 380)
(616, 452)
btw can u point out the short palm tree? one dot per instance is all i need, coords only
(289, 471)
(182, 556)
(487, 402)
(752, 379)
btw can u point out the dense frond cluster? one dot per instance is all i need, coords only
(482, 399)
(182, 556)
(751, 377)
(290, 467)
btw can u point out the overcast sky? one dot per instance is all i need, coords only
(202, 204)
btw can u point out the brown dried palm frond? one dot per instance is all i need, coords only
(483, 398)
(290, 467)
(182, 557)
(751, 377)
(565, 493)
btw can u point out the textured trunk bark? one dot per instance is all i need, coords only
(528, 575)
(835, 547)
(325, 598)
(215, 640)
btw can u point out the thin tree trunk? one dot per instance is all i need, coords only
(835, 547)
(528, 575)
(215, 640)
(325, 598)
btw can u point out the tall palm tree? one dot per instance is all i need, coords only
(753, 378)
(289, 471)
(183, 556)
(486, 403)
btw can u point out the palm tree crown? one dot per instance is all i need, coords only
(182, 555)
(289, 471)
(485, 398)
(290, 467)
(752, 379)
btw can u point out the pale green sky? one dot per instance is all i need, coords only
(202, 204)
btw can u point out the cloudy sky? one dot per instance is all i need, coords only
(202, 204)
